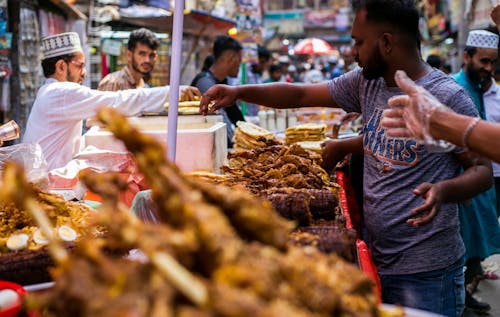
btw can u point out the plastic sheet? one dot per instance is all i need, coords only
(144, 207)
(99, 161)
(30, 155)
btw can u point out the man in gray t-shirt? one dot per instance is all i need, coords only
(395, 166)
(410, 194)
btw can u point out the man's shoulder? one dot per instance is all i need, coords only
(117, 80)
(440, 83)
(450, 92)
(203, 77)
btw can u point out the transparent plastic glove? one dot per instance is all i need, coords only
(408, 115)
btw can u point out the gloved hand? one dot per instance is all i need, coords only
(408, 115)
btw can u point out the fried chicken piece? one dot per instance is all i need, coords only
(108, 287)
(253, 219)
(179, 204)
(302, 277)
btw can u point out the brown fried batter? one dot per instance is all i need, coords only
(234, 249)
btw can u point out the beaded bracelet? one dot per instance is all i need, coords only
(472, 124)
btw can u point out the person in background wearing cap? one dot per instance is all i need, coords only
(55, 120)
(478, 217)
(141, 54)
(335, 70)
(410, 194)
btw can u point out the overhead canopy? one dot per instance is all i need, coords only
(195, 22)
(70, 10)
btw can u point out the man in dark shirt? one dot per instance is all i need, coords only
(227, 59)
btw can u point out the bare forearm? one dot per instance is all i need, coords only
(473, 181)
(484, 139)
(285, 95)
(355, 145)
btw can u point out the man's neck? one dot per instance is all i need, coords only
(414, 70)
(57, 77)
(138, 77)
(219, 73)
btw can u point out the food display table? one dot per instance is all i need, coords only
(201, 141)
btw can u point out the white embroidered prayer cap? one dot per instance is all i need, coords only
(483, 39)
(60, 44)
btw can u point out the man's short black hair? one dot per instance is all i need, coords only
(224, 43)
(434, 60)
(274, 68)
(400, 15)
(470, 50)
(263, 53)
(49, 64)
(143, 36)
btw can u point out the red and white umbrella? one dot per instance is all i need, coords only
(313, 46)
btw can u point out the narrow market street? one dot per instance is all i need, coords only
(489, 290)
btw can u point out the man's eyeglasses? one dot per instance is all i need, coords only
(78, 64)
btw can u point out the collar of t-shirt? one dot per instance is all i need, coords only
(493, 90)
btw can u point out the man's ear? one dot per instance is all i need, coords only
(129, 55)
(467, 58)
(61, 66)
(386, 42)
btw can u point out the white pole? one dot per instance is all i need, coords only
(175, 74)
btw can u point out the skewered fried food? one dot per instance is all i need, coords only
(243, 279)
(240, 208)
(294, 282)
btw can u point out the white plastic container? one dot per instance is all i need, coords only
(271, 120)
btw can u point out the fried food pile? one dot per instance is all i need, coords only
(305, 132)
(18, 230)
(277, 166)
(186, 105)
(218, 252)
(328, 237)
(288, 176)
(250, 136)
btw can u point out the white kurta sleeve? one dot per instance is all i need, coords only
(82, 102)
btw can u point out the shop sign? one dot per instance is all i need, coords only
(112, 47)
(289, 22)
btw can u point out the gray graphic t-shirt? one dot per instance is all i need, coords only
(393, 167)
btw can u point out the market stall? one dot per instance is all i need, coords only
(240, 227)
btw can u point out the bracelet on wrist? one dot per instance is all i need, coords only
(472, 124)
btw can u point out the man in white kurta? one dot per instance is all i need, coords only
(55, 121)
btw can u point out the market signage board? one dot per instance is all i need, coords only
(111, 47)
(289, 22)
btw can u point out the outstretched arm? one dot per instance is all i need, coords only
(426, 118)
(274, 95)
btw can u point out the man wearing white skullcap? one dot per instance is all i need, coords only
(62, 103)
(476, 217)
